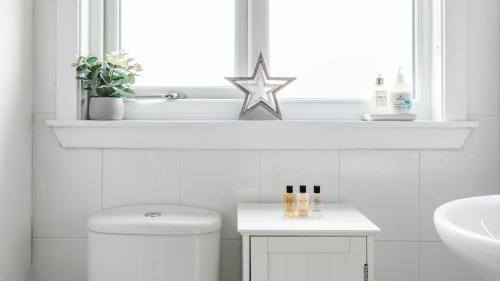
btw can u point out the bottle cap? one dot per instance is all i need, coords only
(289, 189)
(380, 80)
(317, 189)
(303, 189)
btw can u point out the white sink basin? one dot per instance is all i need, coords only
(471, 229)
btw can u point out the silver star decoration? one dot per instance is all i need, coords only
(260, 93)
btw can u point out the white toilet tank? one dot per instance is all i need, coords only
(154, 243)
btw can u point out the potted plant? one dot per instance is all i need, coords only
(107, 81)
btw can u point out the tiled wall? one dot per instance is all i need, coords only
(398, 190)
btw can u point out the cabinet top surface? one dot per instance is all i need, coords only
(336, 219)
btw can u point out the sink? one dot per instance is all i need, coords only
(471, 229)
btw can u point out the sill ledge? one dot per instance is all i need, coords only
(167, 134)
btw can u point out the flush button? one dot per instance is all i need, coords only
(152, 214)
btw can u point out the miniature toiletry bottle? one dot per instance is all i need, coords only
(303, 202)
(379, 99)
(316, 202)
(289, 202)
(400, 99)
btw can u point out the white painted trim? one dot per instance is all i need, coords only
(437, 61)
(423, 58)
(258, 31)
(455, 66)
(112, 13)
(241, 34)
(370, 257)
(85, 25)
(245, 260)
(97, 28)
(261, 134)
(68, 45)
(292, 109)
(259, 259)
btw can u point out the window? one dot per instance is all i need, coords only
(180, 43)
(335, 48)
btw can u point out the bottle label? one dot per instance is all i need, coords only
(316, 204)
(401, 103)
(381, 99)
(303, 206)
(289, 205)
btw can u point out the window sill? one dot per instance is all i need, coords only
(261, 134)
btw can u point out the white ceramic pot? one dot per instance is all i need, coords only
(106, 108)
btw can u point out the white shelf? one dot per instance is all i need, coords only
(336, 220)
(223, 134)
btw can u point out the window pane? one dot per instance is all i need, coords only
(180, 43)
(337, 48)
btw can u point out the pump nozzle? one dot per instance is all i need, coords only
(401, 76)
(401, 86)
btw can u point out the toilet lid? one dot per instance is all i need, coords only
(155, 220)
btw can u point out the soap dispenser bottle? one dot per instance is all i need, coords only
(400, 99)
(289, 202)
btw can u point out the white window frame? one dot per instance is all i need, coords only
(443, 71)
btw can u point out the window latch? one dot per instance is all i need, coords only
(174, 96)
(170, 96)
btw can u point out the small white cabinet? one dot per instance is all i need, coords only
(335, 247)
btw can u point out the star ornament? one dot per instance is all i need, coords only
(260, 91)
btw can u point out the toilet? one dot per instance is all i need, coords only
(154, 243)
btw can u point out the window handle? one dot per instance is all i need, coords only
(169, 96)
(175, 96)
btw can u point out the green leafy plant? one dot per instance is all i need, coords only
(112, 77)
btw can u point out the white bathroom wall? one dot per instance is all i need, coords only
(398, 190)
(15, 138)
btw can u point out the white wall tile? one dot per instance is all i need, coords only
(483, 55)
(230, 269)
(384, 185)
(217, 180)
(66, 185)
(396, 261)
(44, 80)
(59, 260)
(285, 167)
(437, 263)
(454, 174)
(140, 176)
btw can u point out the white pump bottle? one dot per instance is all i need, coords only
(400, 98)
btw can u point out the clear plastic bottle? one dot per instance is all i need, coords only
(303, 202)
(379, 99)
(316, 202)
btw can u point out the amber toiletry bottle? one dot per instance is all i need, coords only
(289, 202)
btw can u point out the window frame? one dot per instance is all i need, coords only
(91, 18)
(112, 42)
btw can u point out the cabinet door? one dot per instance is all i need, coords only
(307, 258)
